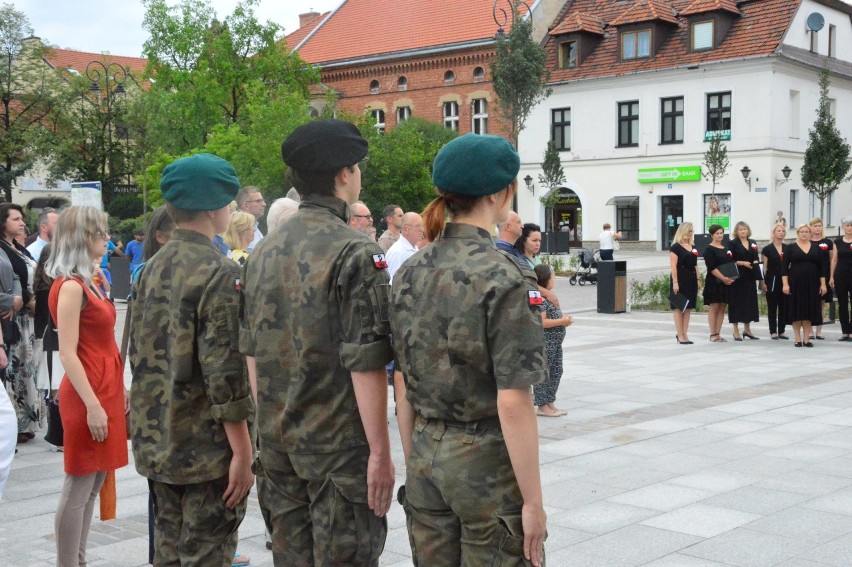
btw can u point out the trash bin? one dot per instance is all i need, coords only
(612, 286)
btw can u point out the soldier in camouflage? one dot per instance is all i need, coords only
(315, 326)
(469, 340)
(190, 398)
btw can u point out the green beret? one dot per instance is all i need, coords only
(475, 165)
(324, 145)
(202, 182)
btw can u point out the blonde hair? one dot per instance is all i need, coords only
(776, 225)
(803, 225)
(737, 228)
(238, 222)
(815, 220)
(681, 230)
(76, 230)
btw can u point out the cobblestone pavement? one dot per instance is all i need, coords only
(670, 455)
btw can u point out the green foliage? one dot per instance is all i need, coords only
(826, 163)
(124, 229)
(519, 72)
(551, 178)
(715, 162)
(125, 206)
(654, 295)
(400, 164)
(31, 218)
(556, 262)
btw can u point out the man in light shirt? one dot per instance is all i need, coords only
(406, 246)
(360, 218)
(46, 224)
(250, 200)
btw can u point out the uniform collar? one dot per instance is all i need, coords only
(460, 230)
(192, 236)
(338, 207)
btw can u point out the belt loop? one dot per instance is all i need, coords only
(469, 432)
(420, 423)
(440, 427)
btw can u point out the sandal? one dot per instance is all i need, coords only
(718, 338)
(241, 560)
(542, 414)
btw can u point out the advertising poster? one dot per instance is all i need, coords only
(717, 210)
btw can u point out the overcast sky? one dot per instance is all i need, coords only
(116, 26)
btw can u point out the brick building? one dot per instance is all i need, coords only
(423, 59)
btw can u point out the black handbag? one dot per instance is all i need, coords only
(55, 432)
(11, 332)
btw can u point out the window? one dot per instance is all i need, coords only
(402, 83)
(379, 116)
(568, 55)
(560, 118)
(812, 206)
(832, 40)
(627, 221)
(794, 203)
(478, 74)
(449, 78)
(628, 123)
(636, 44)
(718, 115)
(794, 114)
(479, 118)
(702, 35)
(314, 113)
(403, 113)
(829, 208)
(374, 87)
(814, 42)
(451, 116)
(671, 127)
(832, 108)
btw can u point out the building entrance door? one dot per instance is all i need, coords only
(672, 215)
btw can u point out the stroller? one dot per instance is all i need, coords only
(588, 271)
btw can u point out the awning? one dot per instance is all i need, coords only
(624, 201)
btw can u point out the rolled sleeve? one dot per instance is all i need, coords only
(238, 410)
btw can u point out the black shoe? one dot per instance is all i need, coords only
(783, 337)
(809, 344)
(819, 337)
(844, 339)
(774, 337)
(269, 545)
(749, 335)
(798, 344)
(738, 339)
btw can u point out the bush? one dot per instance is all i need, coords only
(654, 296)
(125, 206)
(123, 230)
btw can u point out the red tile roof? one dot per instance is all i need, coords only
(78, 60)
(293, 39)
(646, 11)
(757, 32)
(579, 22)
(702, 6)
(362, 28)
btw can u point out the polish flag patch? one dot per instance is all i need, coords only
(379, 261)
(823, 246)
(753, 246)
(535, 298)
(237, 285)
(694, 252)
(730, 254)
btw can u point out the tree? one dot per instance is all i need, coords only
(552, 177)
(827, 156)
(518, 72)
(27, 88)
(715, 162)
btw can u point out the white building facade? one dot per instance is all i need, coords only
(632, 134)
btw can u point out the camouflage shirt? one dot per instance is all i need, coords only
(466, 323)
(316, 309)
(188, 374)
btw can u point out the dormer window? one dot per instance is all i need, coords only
(635, 44)
(702, 35)
(567, 54)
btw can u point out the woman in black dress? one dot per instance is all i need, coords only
(826, 247)
(683, 258)
(742, 304)
(841, 276)
(716, 284)
(773, 256)
(804, 273)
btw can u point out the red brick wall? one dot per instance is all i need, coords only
(425, 90)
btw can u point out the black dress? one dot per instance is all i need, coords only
(714, 290)
(843, 283)
(687, 281)
(742, 299)
(803, 271)
(775, 298)
(825, 246)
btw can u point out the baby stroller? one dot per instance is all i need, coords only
(588, 271)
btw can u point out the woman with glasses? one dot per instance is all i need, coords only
(21, 372)
(742, 307)
(92, 399)
(685, 282)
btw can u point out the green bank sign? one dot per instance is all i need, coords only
(670, 174)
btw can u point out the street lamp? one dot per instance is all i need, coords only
(529, 181)
(746, 176)
(786, 171)
(112, 76)
(501, 15)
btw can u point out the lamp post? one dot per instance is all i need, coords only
(112, 76)
(502, 16)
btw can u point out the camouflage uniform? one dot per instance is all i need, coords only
(462, 501)
(386, 240)
(188, 379)
(316, 298)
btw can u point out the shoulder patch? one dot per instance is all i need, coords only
(379, 261)
(238, 285)
(535, 297)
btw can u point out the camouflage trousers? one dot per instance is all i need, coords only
(315, 508)
(461, 499)
(192, 527)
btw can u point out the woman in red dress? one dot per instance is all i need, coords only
(91, 395)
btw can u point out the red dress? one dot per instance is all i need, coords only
(99, 355)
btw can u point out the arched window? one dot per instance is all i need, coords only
(374, 86)
(314, 113)
(449, 78)
(478, 74)
(402, 83)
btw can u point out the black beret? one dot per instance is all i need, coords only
(324, 145)
(475, 165)
(202, 182)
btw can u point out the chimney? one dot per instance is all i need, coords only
(305, 19)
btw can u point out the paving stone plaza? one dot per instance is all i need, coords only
(670, 455)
